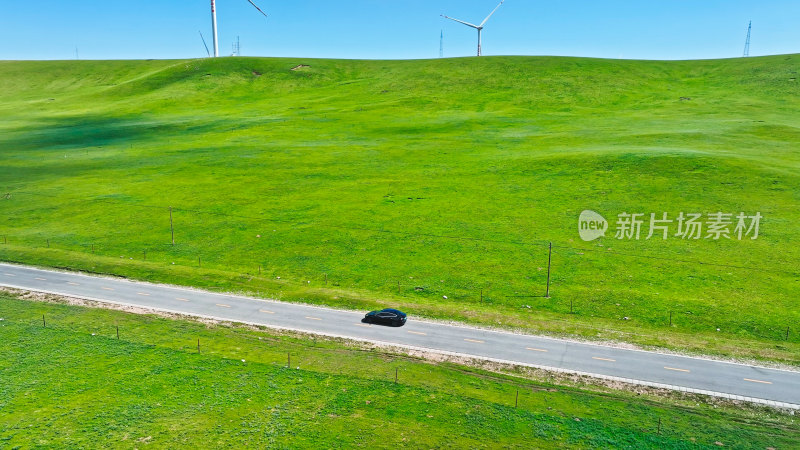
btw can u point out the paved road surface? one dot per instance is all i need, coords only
(759, 384)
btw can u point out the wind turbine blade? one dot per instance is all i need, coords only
(259, 9)
(492, 13)
(461, 21)
(204, 44)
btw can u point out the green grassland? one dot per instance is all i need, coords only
(366, 183)
(74, 384)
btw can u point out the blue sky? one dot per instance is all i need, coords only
(374, 29)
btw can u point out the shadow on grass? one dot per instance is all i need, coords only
(79, 132)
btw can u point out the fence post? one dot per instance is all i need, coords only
(670, 318)
(171, 227)
(44, 323)
(199, 264)
(787, 333)
(117, 331)
(198, 345)
(288, 360)
(48, 243)
(549, 261)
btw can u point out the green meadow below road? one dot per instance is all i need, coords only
(73, 383)
(434, 186)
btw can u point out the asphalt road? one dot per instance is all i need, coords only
(751, 383)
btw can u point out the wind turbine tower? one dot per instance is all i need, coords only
(441, 44)
(214, 23)
(214, 27)
(747, 42)
(477, 27)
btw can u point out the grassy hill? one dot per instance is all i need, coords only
(75, 384)
(364, 183)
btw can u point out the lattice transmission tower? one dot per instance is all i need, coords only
(747, 42)
(237, 48)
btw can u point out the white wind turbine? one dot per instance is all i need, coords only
(214, 22)
(477, 27)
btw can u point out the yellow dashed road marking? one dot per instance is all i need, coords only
(73, 284)
(108, 289)
(604, 359)
(265, 311)
(419, 333)
(223, 305)
(536, 349)
(677, 370)
(182, 299)
(41, 279)
(142, 293)
(474, 340)
(757, 381)
(313, 318)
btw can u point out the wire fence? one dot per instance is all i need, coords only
(399, 368)
(569, 282)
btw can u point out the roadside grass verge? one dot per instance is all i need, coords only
(681, 336)
(73, 383)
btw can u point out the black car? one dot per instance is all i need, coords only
(386, 316)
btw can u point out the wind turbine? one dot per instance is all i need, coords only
(204, 44)
(214, 22)
(477, 27)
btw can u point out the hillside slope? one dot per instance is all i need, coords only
(362, 183)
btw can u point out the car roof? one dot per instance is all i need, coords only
(392, 310)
